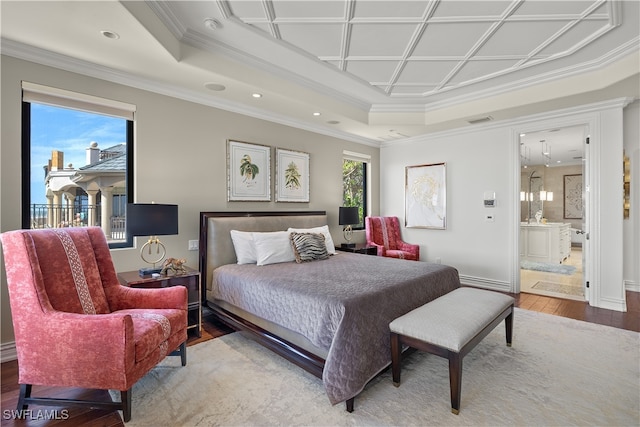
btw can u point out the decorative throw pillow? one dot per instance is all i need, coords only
(308, 246)
(273, 247)
(324, 230)
(244, 247)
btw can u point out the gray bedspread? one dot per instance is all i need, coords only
(343, 304)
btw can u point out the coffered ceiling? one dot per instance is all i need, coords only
(371, 70)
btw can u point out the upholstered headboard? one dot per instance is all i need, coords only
(216, 246)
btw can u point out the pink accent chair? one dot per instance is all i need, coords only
(76, 326)
(383, 232)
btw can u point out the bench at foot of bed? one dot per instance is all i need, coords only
(450, 327)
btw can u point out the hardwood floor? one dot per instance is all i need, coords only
(212, 328)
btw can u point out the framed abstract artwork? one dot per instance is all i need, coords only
(573, 196)
(426, 196)
(248, 172)
(292, 176)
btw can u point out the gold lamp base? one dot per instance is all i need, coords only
(161, 252)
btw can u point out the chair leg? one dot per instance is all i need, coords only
(25, 392)
(125, 399)
(183, 353)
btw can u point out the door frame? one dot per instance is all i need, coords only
(590, 123)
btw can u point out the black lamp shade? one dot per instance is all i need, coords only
(348, 216)
(150, 219)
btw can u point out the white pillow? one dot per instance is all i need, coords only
(324, 230)
(243, 244)
(273, 247)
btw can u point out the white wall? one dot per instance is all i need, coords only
(631, 226)
(475, 162)
(482, 158)
(180, 157)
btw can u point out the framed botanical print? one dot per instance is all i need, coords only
(292, 176)
(426, 196)
(248, 171)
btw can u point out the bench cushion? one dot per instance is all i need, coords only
(454, 319)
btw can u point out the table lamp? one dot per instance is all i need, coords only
(153, 220)
(348, 216)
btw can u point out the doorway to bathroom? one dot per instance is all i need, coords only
(553, 224)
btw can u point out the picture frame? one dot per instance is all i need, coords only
(572, 190)
(248, 172)
(426, 196)
(292, 176)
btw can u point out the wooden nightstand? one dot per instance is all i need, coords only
(359, 248)
(190, 280)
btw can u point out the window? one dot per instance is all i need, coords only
(354, 179)
(77, 161)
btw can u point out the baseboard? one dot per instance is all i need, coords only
(480, 282)
(8, 351)
(630, 285)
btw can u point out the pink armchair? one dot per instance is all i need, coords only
(76, 326)
(383, 232)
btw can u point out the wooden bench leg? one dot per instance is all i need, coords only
(455, 380)
(396, 358)
(508, 324)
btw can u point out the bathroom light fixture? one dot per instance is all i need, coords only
(256, 95)
(546, 152)
(317, 114)
(546, 196)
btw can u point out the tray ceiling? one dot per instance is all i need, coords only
(373, 70)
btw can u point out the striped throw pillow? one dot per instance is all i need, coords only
(308, 246)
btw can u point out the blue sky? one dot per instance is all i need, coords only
(69, 131)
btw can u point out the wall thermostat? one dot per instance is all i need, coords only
(489, 199)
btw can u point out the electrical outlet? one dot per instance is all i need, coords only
(438, 260)
(193, 245)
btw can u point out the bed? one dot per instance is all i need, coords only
(331, 316)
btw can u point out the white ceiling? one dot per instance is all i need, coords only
(563, 147)
(375, 70)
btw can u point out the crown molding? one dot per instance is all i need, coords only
(519, 121)
(51, 59)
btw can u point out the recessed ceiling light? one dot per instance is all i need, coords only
(256, 95)
(110, 34)
(317, 114)
(215, 86)
(333, 122)
(212, 24)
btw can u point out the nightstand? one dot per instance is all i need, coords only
(190, 280)
(359, 248)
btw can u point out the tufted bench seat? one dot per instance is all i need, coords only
(450, 327)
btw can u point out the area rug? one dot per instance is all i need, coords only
(558, 372)
(558, 288)
(549, 268)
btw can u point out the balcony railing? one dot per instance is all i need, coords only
(57, 216)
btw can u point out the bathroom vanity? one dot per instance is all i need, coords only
(549, 243)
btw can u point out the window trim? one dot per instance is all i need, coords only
(365, 159)
(59, 98)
